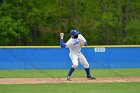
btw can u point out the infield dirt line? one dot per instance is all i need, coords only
(63, 80)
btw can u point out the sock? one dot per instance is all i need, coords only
(71, 71)
(87, 72)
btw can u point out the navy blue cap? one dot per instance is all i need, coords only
(73, 32)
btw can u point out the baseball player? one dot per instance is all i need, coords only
(74, 44)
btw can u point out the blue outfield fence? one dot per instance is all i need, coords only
(58, 58)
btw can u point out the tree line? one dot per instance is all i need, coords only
(39, 22)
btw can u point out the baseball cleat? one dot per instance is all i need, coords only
(68, 78)
(91, 77)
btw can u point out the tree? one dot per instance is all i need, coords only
(10, 29)
(39, 22)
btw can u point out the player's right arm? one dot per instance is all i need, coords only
(67, 44)
(62, 44)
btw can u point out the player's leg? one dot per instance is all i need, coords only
(84, 62)
(74, 59)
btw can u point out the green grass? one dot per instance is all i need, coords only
(130, 87)
(72, 88)
(63, 73)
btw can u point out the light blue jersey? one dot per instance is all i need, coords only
(74, 45)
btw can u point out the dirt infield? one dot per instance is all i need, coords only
(63, 80)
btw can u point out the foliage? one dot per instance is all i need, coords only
(39, 22)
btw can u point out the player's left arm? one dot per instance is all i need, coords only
(83, 40)
(85, 43)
